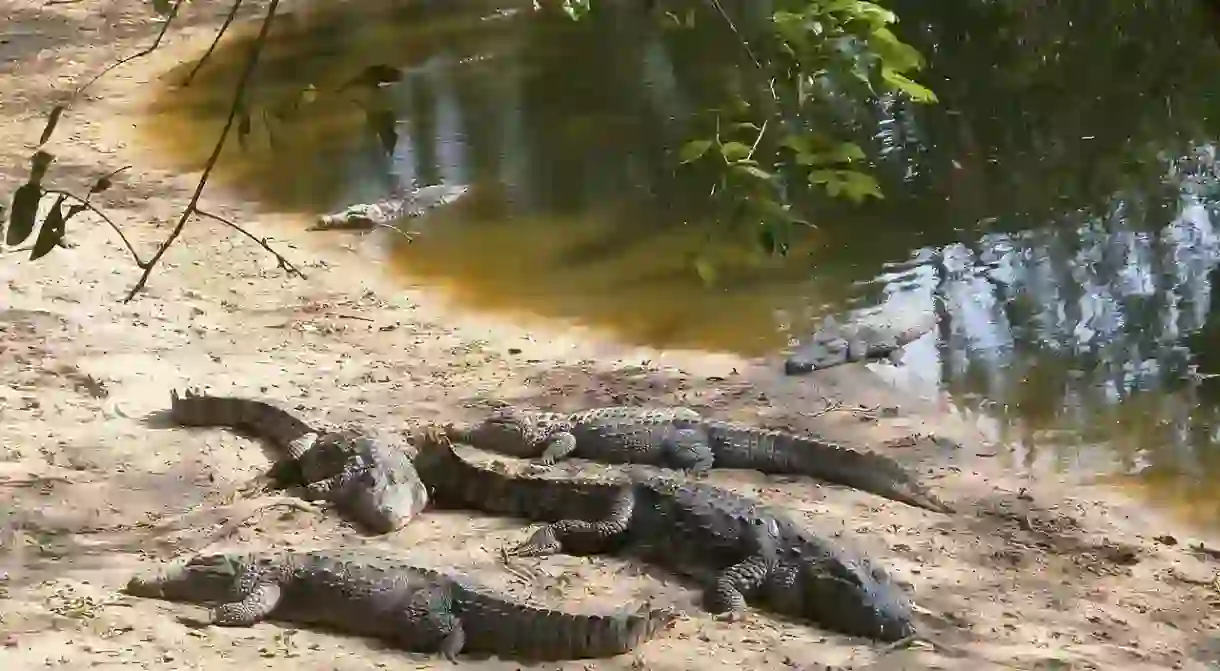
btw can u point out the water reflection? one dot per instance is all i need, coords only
(1056, 208)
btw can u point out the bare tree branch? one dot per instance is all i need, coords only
(262, 242)
(212, 47)
(255, 51)
(92, 208)
(173, 14)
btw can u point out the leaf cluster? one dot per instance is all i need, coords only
(767, 151)
(26, 201)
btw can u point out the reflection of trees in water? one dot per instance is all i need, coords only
(1062, 328)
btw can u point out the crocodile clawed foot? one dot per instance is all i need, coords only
(733, 616)
(195, 622)
(542, 543)
(259, 484)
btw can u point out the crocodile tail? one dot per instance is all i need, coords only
(780, 452)
(498, 625)
(458, 483)
(258, 417)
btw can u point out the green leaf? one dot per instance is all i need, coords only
(101, 184)
(163, 7)
(894, 53)
(706, 270)
(272, 141)
(843, 153)
(385, 125)
(52, 231)
(773, 211)
(848, 152)
(734, 151)
(244, 126)
(752, 171)
(916, 92)
(801, 144)
(39, 163)
(773, 239)
(694, 150)
(856, 186)
(575, 9)
(52, 121)
(373, 77)
(23, 213)
(747, 125)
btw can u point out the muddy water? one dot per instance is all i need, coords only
(1056, 207)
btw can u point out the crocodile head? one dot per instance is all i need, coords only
(853, 596)
(387, 496)
(506, 430)
(825, 348)
(203, 578)
(816, 355)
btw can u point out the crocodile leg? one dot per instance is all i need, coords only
(688, 449)
(580, 536)
(558, 446)
(298, 446)
(255, 605)
(727, 597)
(326, 488)
(428, 621)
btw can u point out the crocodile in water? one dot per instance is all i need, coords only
(741, 550)
(373, 485)
(677, 437)
(380, 596)
(834, 345)
(385, 212)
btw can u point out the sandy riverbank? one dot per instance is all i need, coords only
(89, 493)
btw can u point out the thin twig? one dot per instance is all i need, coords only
(173, 14)
(262, 242)
(409, 236)
(758, 140)
(745, 44)
(212, 47)
(828, 406)
(111, 175)
(220, 143)
(93, 208)
(520, 572)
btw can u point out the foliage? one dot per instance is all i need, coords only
(760, 152)
(26, 201)
(767, 151)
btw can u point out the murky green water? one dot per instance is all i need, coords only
(1057, 204)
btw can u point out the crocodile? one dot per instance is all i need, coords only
(680, 438)
(834, 345)
(381, 596)
(365, 216)
(740, 550)
(371, 484)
